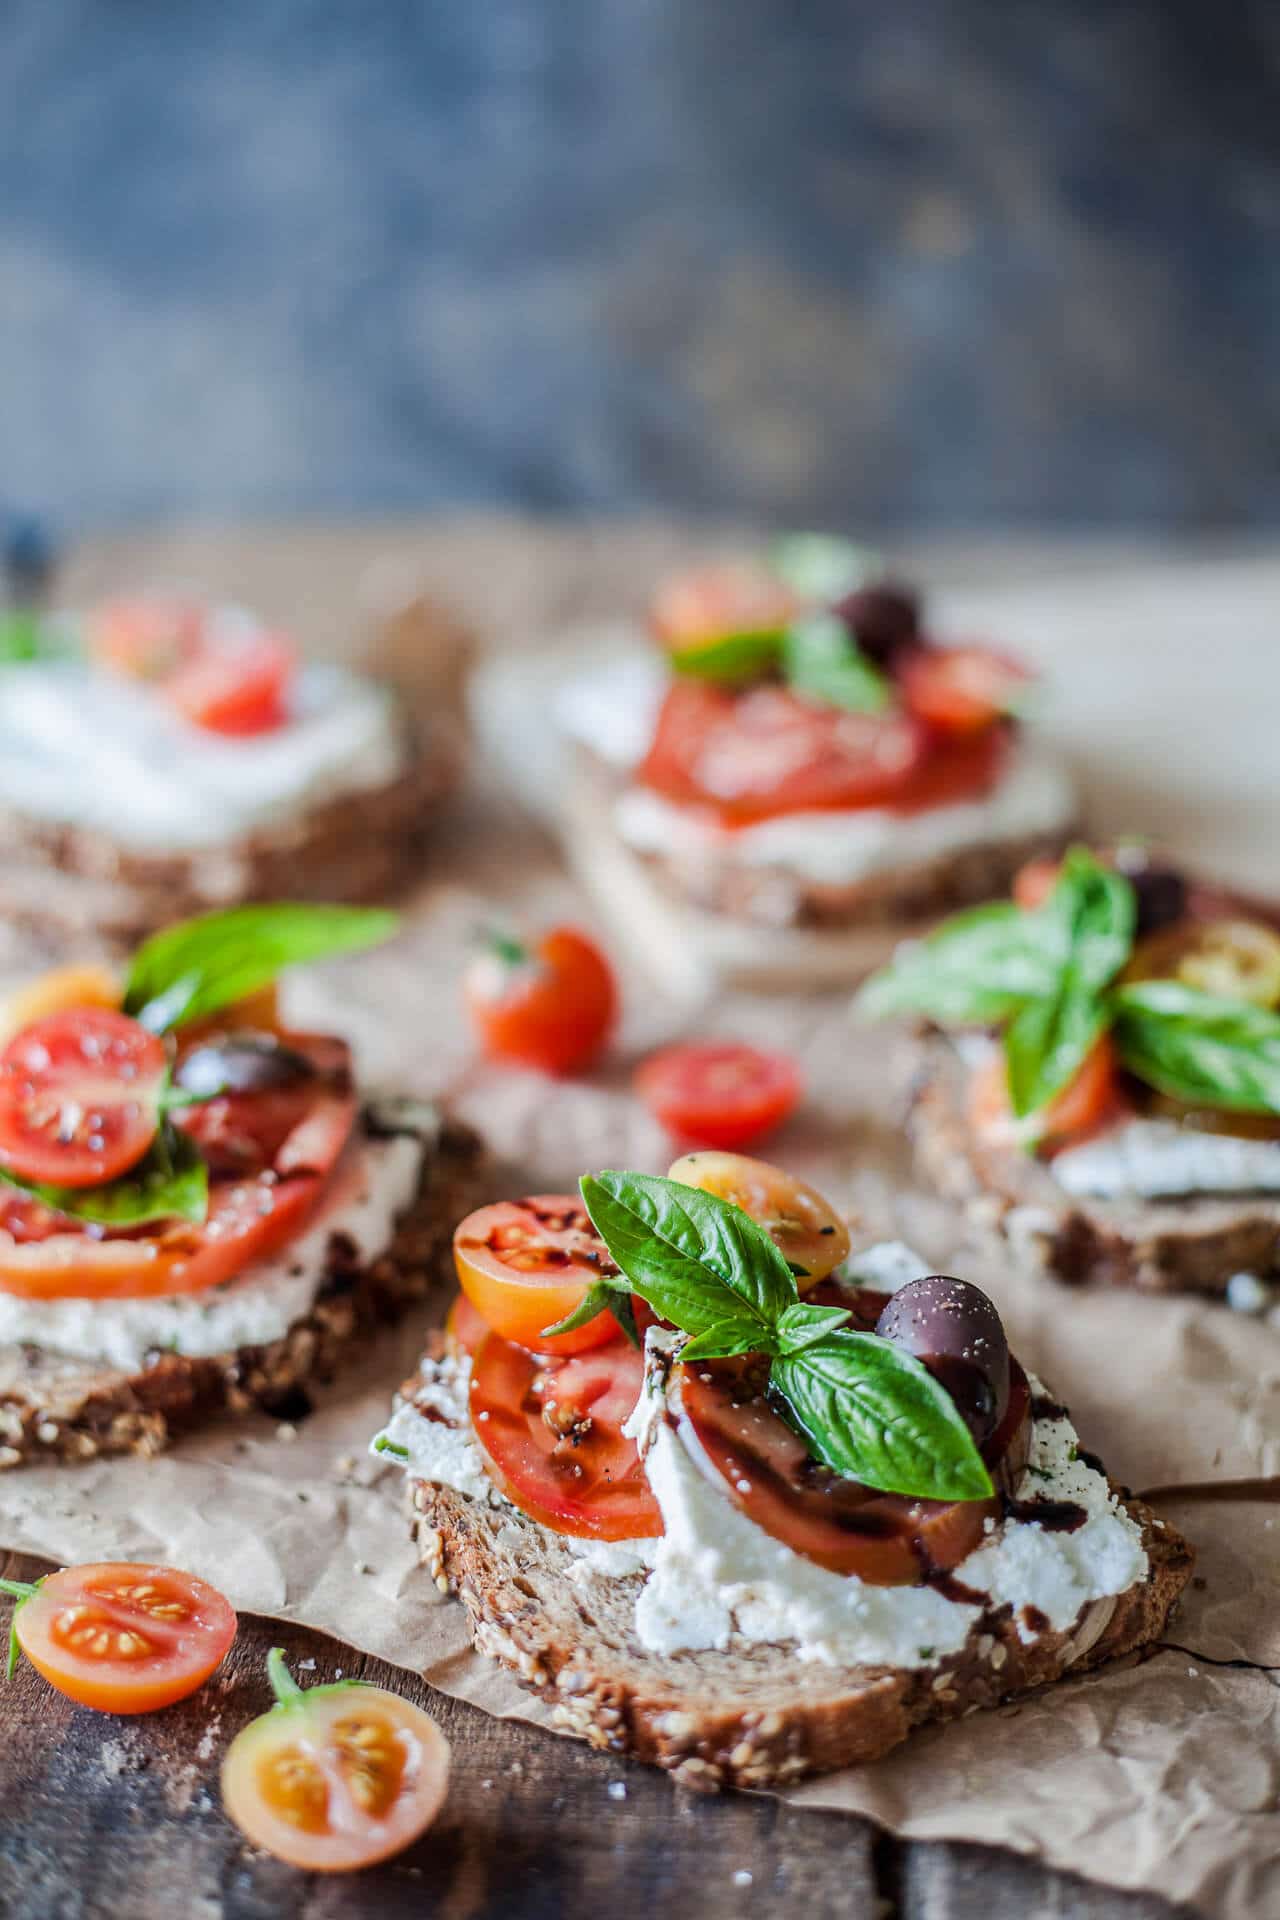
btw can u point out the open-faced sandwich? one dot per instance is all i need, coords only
(742, 1504)
(163, 756)
(198, 1208)
(803, 770)
(1099, 1078)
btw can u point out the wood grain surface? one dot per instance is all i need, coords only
(107, 1817)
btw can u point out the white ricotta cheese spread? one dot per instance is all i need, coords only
(372, 1184)
(715, 1578)
(1148, 1159)
(1034, 796)
(93, 750)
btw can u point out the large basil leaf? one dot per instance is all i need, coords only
(1198, 1046)
(1087, 924)
(822, 661)
(732, 659)
(199, 966)
(975, 970)
(170, 1182)
(871, 1410)
(822, 566)
(701, 1263)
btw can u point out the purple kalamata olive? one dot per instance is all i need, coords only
(1160, 891)
(882, 619)
(953, 1328)
(242, 1063)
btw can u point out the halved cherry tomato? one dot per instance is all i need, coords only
(1034, 882)
(528, 1264)
(237, 690)
(549, 1006)
(551, 1433)
(1238, 959)
(337, 1777)
(44, 1256)
(124, 1638)
(146, 638)
(79, 1097)
(1092, 1101)
(747, 756)
(692, 613)
(466, 1326)
(808, 1231)
(961, 690)
(59, 991)
(718, 1092)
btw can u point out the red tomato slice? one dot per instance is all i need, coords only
(712, 603)
(527, 1264)
(340, 1777)
(768, 1472)
(465, 1326)
(44, 1256)
(748, 756)
(551, 1433)
(719, 1094)
(961, 690)
(242, 690)
(79, 1094)
(549, 1006)
(1093, 1100)
(125, 1638)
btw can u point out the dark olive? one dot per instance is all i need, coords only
(1160, 890)
(242, 1063)
(953, 1328)
(882, 620)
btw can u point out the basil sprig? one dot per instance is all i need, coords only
(1043, 975)
(1199, 1046)
(170, 1182)
(822, 566)
(866, 1407)
(822, 660)
(197, 967)
(732, 658)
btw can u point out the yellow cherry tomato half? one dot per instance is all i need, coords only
(1236, 959)
(528, 1264)
(806, 1228)
(59, 991)
(336, 1777)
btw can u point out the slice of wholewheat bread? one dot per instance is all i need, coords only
(751, 1716)
(56, 1408)
(1163, 1246)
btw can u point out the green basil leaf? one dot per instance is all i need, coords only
(20, 635)
(732, 659)
(195, 968)
(1088, 923)
(975, 970)
(170, 1182)
(802, 1325)
(1198, 1046)
(869, 1409)
(822, 566)
(699, 1262)
(601, 1296)
(721, 1342)
(823, 662)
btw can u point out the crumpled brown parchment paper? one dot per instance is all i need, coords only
(1160, 1776)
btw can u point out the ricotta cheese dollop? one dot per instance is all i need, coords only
(715, 1579)
(1154, 1159)
(372, 1184)
(90, 749)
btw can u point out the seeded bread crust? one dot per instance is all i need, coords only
(1161, 1246)
(59, 882)
(53, 1408)
(752, 1716)
(902, 899)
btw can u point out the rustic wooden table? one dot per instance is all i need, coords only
(102, 1816)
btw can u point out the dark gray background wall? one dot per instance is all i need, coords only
(876, 262)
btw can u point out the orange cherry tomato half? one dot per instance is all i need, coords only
(79, 1097)
(145, 638)
(549, 1006)
(337, 1777)
(528, 1264)
(807, 1230)
(237, 690)
(550, 1429)
(960, 690)
(737, 599)
(718, 1092)
(1087, 1104)
(124, 1638)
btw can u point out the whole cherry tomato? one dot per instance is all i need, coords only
(548, 1005)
